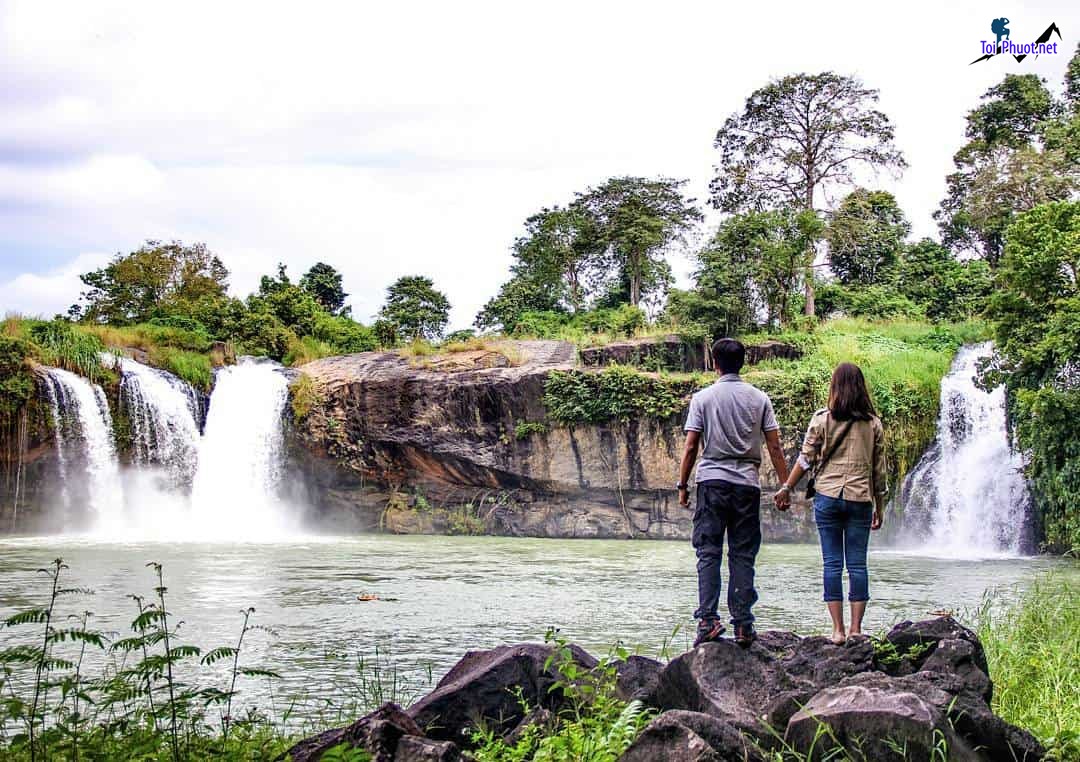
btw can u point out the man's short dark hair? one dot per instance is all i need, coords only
(729, 355)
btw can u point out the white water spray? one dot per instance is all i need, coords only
(163, 412)
(967, 496)
(83, 425)
(241, 456)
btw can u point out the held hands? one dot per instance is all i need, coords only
(879, 517)
(782, 498)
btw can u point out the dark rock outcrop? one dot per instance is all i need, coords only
(398, 447)
(488, 688)
(720, 702)
(681, 736)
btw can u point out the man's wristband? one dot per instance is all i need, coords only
(784, 488)
(682, 486)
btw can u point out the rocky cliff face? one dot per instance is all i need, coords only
(392, 445)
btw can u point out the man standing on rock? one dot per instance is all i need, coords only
(728, 421)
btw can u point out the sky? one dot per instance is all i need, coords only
(404, 138)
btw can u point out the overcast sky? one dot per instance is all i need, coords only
(415, 138)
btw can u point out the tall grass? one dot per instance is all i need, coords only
(1033, 648)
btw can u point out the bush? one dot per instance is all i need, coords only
(59, 343)
(617, 393)
(193, 367)
(16, 380)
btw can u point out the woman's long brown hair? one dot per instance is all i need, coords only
(848, 396)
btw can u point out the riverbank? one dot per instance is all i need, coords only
(352, 655)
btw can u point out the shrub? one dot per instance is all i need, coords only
(193, 367)
(617, 393)
(525, 429)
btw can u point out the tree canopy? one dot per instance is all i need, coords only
(323, 282)
(136, 287)
(866, 234)
(415, 308)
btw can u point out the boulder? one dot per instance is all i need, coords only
(681, 736)
(960, 658)
(540, 717)
(876, 720)
(726, 681)
(770, 680)
(924, 637)
(379, 733)
(489, 687)
(637, 677)
(962, 718)
(417, 749)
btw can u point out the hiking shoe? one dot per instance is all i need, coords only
(745, 634)
(708, 630)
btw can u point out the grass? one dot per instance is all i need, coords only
(422, 353)
(1033, 648)
(304, 397)
(193, 367)
(308, 349)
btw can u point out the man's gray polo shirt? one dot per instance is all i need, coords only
(732, 417)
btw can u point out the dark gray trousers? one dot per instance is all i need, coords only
(731, 509)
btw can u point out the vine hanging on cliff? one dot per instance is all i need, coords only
(616, 393)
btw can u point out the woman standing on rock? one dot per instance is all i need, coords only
(844, 451)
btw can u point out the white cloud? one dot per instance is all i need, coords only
(416, 137)
(51, 292)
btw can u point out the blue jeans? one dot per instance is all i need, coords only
(844, 527)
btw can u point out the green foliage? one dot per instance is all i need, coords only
(59, 343)
(594, 726)
(415, 308)
(193, 367)
(946, 288)
(633, 221)
(303, 397)
(754, 264)
(616, 393)
(865, 234)
(1033, 649)
(525, 429)
(1022, 151)
(157, 277)
(1036, 312)
(16, 380)
(323, 282)
(875, 301)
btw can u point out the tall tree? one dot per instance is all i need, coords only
(152, 279)
(633, 221)
(797, 139)
(1021, 152)
(415, 308)
(323, 282)
(866, 234)
(557, 250)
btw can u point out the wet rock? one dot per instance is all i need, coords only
(874, 719)
(416, 749)
(726, 681)
(960, 658)
(379, 733)
(680, 736)
(489, 687)
(923, 637)
(637, 677)
(539, 717)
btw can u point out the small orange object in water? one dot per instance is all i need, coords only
(367, 597)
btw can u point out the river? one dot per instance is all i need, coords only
(441, 596)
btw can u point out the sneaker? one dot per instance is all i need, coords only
(708, 630)
(745, 634)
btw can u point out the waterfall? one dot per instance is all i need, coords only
(967, 495)
(83, 426)
(163, 411)
(241, 456)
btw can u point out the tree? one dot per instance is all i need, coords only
(520, 295)
(415, 308)
(946, 288)
(558, 250)
(1021, 152)
(149, 281)
(754, 263)
(632, 222)
(295, 307)
(866, 234)
(796, 139)
(323, 282)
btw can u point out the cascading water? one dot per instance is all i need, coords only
(83, 424)
(235, 495)
(163, 412)
(967, 495)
